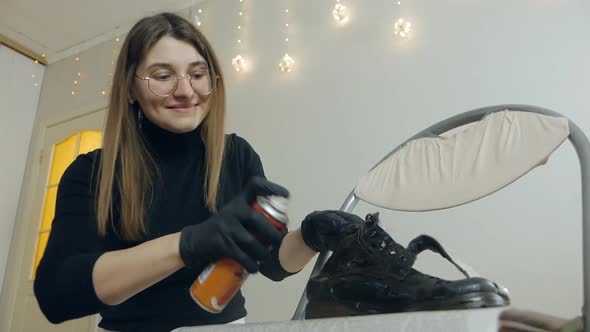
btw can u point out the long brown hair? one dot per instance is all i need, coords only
(125, 162)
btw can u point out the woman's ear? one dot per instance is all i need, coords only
(131, 96)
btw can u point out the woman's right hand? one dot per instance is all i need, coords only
(228, 232)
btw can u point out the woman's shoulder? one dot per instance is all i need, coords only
(91, 155)
(84, 165)
(237, 140)
(88, 159)
(234, 141)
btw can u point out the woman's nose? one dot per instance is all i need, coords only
(184, 87)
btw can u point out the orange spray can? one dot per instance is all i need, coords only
(220, 281)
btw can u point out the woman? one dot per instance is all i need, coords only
(169, 192)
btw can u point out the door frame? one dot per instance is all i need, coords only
(24, 218)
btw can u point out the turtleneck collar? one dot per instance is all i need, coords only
(168, 144)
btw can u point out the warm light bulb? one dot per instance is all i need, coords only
(36, 61)
(196, 20)
(239, 63)
(75, 82)
(117, 39)
(77, 59)
(402, 27)
(43, 55)
(286, 63)
(103, 92)
(340, 13)
(200, 11)
(73, 93)
(241, 13)
(239, 27)
(35, 84)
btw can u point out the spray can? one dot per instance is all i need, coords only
(220, 281)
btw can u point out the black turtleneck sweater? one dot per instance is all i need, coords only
(63, 284)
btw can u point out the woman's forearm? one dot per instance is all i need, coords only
(118, 275)
(294, 254)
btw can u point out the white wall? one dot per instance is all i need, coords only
(19, 97)
(357, 93)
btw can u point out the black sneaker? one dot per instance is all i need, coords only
(370, 273)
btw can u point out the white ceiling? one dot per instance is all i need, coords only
(60, 28)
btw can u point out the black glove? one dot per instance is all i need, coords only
(228, 233)
(323, 230)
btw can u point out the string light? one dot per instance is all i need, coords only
(196, 17)
(116, 46)
(402, 27)
(239, 63)
(36, 81)
(287, 62)
(76, 80)
(33, 76)
(340, 12)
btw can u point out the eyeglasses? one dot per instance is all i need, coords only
(164, 83)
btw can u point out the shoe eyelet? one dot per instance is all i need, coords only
(403, 259)
(383, 244)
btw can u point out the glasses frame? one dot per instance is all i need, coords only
(190, 82)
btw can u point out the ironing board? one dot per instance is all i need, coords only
(502, 143)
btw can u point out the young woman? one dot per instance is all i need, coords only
(169, 192)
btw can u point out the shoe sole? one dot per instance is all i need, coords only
(324, 309)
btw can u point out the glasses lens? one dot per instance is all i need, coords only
(162, 83)
(201, 82)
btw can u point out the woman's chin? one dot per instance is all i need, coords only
(181, 126)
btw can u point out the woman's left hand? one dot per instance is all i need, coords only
(323, 230)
